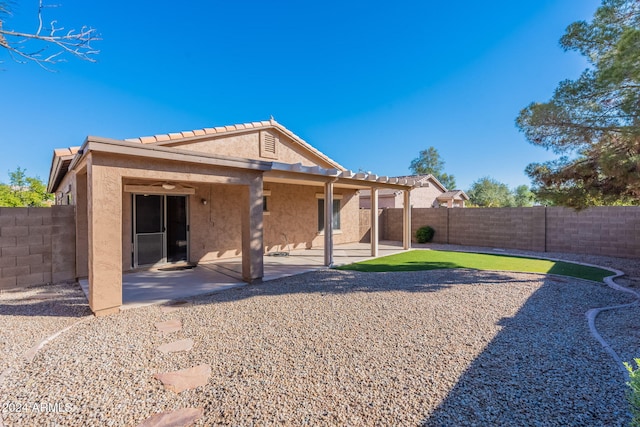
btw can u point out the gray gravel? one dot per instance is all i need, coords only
(450, 347)
(31, 314)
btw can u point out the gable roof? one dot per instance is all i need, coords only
(199, 134)
(164, 146)
(453, 195)
(62, 158)
(425, 178)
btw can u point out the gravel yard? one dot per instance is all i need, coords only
(447, 347)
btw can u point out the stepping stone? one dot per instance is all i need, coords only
(178, 418)
(169, 326)
(185, 379)
(174, 306)
(175, 346)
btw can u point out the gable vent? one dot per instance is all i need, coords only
(268, 145)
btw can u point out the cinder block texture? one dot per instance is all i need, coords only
(36, 244)
(610, 230)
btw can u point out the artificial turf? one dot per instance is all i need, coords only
(430, 260)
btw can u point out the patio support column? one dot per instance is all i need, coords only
(328, 224)
(104, 224)
(406, 223)
(374, 221)
(252, 231)
(82, 249)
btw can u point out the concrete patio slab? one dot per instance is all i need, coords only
(156, 286)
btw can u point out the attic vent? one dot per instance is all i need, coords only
(268, 145)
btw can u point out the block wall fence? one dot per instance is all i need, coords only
(610, 230)
(37, 245)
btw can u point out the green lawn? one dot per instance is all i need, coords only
(430, 260)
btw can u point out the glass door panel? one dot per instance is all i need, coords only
(149, 229)
(176, 228)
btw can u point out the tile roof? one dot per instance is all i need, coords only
(452, 195)
(219, 130)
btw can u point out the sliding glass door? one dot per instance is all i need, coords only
(160, 229)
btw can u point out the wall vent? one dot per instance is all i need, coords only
(268, 145)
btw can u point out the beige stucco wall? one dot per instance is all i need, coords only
(247, 145)
(421, 197)
(216, 228)
(385, 201)
(293, 210)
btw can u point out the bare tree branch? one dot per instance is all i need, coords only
(73, 42)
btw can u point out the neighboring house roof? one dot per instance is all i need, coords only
(453, 195)
(381, 193)
(420, 180)
(425, 178)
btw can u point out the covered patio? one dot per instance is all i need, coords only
(162, 285)
(217, 198)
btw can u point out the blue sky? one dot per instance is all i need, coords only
(369, 83)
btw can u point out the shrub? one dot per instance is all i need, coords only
(634, 394)
(424, 234)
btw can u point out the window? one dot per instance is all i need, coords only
(265, 201)
(336, 215)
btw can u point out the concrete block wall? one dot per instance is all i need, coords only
(365, 224)
(609, 231)
(420, 217)
(37, 245)
(509, 228)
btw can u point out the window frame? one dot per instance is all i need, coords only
(336, 220)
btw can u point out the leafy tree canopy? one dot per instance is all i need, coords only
(429, 162)
(23, 191)
(523, 196)
(486, 192)
(593, 122)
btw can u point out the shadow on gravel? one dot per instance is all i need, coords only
(542, 368)
(326, 282)
(61, 302)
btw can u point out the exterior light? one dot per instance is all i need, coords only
(168, 186)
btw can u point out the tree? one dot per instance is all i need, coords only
(594, 121)
(486, 192)
(523, 196)
(24, 191)
(25, 46)
(429, 162)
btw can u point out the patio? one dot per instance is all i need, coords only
(158, 286)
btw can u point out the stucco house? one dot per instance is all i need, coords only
(203, 195)
(428, 193)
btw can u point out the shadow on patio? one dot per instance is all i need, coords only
(156, 286)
